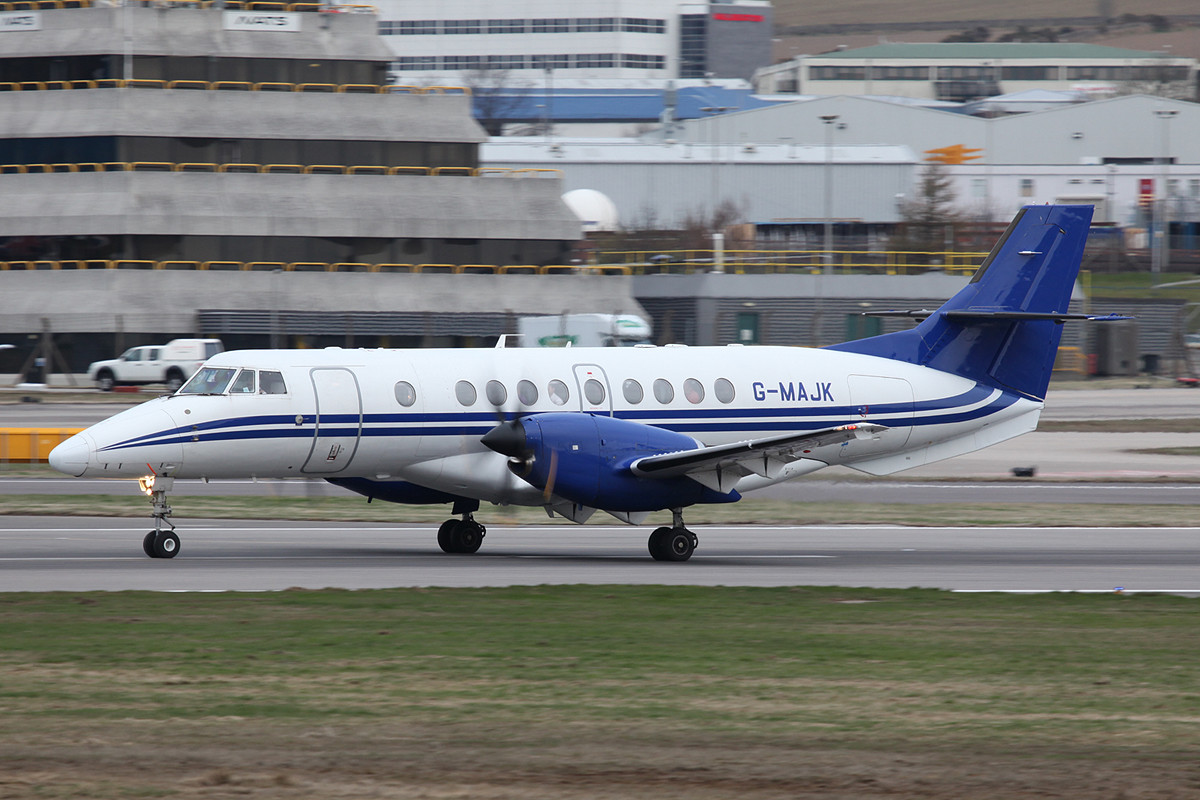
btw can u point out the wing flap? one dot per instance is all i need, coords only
(720, 467)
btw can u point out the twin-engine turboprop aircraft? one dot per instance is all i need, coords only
(627, 431)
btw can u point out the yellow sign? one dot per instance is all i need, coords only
(954, 154)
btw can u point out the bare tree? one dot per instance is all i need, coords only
(493, 98)
(928, 219)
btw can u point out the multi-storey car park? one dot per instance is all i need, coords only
(192, 169)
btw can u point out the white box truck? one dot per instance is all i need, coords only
(584, 330)
(171, 363)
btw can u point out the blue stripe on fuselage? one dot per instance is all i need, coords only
(682, 421)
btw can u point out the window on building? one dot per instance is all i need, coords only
(550, 26)
(506, 26)
(595, 60)
(417, 27)
(1025, 73)
(507, 62)
(839, 72)
(639, 61)
(561, 61)
(899, 73)
(595, 24)
(693, 45)
(412, 63)
(462, 26)
(1026, 187)
(642, 25)
(462, 62)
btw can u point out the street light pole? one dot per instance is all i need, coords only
(1160, 252)
(829, 119)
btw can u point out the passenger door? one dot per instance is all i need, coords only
(338, 420)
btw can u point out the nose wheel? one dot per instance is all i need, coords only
(159, 543)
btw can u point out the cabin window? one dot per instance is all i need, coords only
(527, 393)
(496, 393)
(693, 390)
(664, 392)
(406, 395)
(465, 393)
(209, 380)
(723, 389)
(593, 390)
(632, 391)
(244, 383)
(559, 394)
(271, 382)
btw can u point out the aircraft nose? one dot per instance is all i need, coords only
(72, 456)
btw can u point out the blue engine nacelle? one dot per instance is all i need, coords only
(586, 458)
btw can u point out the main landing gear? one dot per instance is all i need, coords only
(159, 543)
(462, 535)
(675, 543)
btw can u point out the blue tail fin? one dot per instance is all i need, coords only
(1003, 329)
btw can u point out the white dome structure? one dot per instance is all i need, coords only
(595, 209)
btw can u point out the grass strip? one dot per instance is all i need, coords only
(563, 688)
(746, 511)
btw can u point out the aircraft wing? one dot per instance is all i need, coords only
(721, 466)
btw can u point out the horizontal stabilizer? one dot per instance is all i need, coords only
(1008, 316)
(996, 316)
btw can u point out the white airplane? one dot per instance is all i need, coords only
(628, 431)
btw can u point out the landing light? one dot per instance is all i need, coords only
(146, 484)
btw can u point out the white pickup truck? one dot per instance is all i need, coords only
(171, 363)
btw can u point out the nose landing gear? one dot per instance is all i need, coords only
(159, 543)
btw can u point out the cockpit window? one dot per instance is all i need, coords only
(244, 383)
(271, 382)
(209, 380)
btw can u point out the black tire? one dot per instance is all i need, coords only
(468, 537)
(657, 544)
(105, 380)
(148, 544)
(679, 545)
(174, 379)
(445, 535)
(166, 545)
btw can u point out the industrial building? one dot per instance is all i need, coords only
(159, 160)
(646, 39)
(773, 162)
(959, 72)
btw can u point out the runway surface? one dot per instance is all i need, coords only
(85, 554)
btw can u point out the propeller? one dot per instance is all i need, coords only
(508, 437)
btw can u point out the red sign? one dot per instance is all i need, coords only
(739, 17)
(1146, 192)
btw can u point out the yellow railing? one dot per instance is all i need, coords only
(320, 266)
(307, 169)
(239, 86)
(888, 262)
(26, 445)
